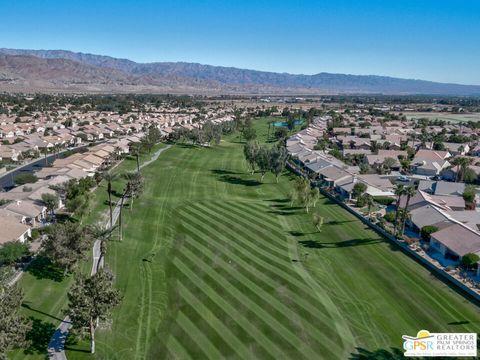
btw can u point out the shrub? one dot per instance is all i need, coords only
(358, 189)
(427, 231)
(12, 251)
(470, 260)
(361, 201)
(390, 216)
(469, 194)
(35, 234)
(25, 178)
(384, 200)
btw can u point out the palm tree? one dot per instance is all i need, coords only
(103, 235)
(370, 203)
(109, 178)
(409, 192)
(399, 191)
(464, 164)
(134, 185)
(388, 163)
(456, 162)
(122, 201)
(136, 149)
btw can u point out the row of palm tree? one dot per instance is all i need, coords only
(402, 214)
(462, 164)
(133, 188)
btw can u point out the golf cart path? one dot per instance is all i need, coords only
(56, 346)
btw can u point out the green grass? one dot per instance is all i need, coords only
(214, 265)
(453, 118)
(45, 299)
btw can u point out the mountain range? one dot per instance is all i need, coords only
(66, 71)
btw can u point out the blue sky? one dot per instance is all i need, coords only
(433, 40)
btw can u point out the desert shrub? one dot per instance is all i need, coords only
(390, 216)
(427, 231)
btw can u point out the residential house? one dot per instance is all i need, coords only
(457, 149)
(13, 231)
(430, 162)
(456, 241)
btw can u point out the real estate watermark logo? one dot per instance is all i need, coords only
(440, 344)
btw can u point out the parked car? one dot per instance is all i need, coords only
(403, 178)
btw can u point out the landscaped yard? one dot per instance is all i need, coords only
(215, 264)
(45, 287)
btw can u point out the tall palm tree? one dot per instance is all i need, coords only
(456, 162)
(134, 185)
(104, 235)
(136, 149)
(464, 164)
(122, 201)
(409, 192)
(109, 178)
(399, 191)
(370, 203)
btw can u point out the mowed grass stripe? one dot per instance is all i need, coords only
(260, 311)
(176, 349)
(210, 351)
(248, 245)
(228, 308)
(256, 213)
(288, 276)
(261, 249)
(214, 322)
(264, 240)
(309, 311)
(282, 311)
(244, 220)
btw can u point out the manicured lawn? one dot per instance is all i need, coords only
(215, 264)
(453, 118)
(46, 290)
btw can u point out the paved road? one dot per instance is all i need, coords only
(6, 180)
(56, 346)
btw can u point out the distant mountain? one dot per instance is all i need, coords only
(87, 72)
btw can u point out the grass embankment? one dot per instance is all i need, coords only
(45, 287)
(215, 264)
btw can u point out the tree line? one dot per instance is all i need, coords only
(265, 159)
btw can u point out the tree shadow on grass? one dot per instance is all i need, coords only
(282, 212)
(116, 193)
(461, 322)
(286, 207)
(43, 268)
(338, 222)
(223, 172)
(235, 180)
(379, 354)
(186, 146)
(39, 336)
(26, 306)
(313, 244)
(71, 341)
(279, 200)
